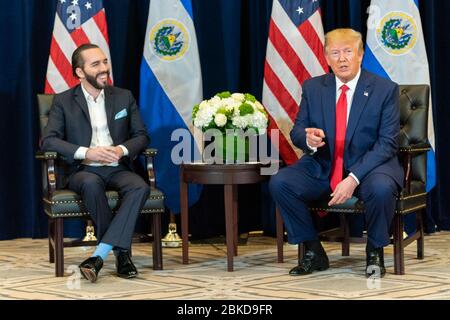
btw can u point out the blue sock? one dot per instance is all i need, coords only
(102, 250)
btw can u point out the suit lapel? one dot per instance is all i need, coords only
(360, 97)
(109, 108)
(81, 101)
(329, 110)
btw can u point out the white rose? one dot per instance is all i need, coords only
(215, 105)
(220, 119)
(259, 120)
(238, 96)
(236, 112)
(240, 122)
(203, 118)
(215, 99)
(204, 105)
(224, 102)
(259, 105)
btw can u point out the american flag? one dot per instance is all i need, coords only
(76, 22)
(294, 54)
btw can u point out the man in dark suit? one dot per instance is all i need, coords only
(347, 127)
(98, 130)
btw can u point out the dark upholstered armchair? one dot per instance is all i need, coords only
(60, 204)
(413, 147)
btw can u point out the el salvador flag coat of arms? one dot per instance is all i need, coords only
(395, 49)
(171, 84)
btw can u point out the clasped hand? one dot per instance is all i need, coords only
(104, 155)
(344, 191)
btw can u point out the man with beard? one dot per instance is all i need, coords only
(97, 129)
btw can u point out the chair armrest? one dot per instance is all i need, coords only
(149, 154)
(406, 154)
(48, 159)
(414, 149)
(41, 155)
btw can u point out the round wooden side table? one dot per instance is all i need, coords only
(230, 175)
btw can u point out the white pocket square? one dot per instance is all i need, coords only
(121, 114)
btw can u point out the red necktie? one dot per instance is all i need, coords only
(341, 126)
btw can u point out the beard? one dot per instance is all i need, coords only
(93, 80)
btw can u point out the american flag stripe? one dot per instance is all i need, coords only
(293, 36)
(314, 42)
(315, 21)
(61, 63)
(294, 54)
(284, 147)
(48, 87)
(279, 91)
(100, 20)
(93, 29)
(288, 53)
(79, 37)
(287, 77)
(56, 83)
(279, 118)
(63, 38)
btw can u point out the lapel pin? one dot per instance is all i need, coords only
(366, 93)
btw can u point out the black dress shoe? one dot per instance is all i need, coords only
(90, 268)
(125, 267)
(311, 262)
(375, 263)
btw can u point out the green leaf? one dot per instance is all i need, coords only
(245, 108)
(224, 94)
(250, 97)
(227, 113)
(230, 125)
(195, 110)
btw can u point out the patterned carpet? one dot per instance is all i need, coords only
(26, 274)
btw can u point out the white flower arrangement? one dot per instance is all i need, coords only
(230, 111)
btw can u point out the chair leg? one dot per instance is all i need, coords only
(420, 241)
(346, 235)
(51, 240)
(280, 242)
(59, 246)
(399, 256)
(157, 246)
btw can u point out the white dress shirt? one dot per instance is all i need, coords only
(101, 136)
(350, 92)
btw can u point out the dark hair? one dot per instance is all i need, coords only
(77, 60)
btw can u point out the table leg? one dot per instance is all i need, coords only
(280, 241)
(235, 219)
(228, 192)
(184, 218)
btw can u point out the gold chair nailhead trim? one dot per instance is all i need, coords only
(410, 209)
(413, 196)
(361, 211)
(414, 150)
(79, 201)
(338, 210)
(81, 214)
